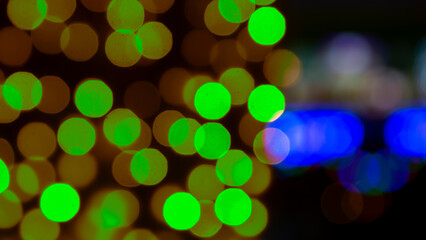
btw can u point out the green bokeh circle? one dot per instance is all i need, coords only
(93, 98)
(76, 136)
(181, 211)
(59, 202)
(212, 101)
(267, 26)
(266, 103)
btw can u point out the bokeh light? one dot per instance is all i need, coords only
(35, 226)
(149, 166)
(225, 55)
(236, 11)
(257, 221)
(78, 171)
(79, 42)
(36, 141)
(22, 91)
(122, 127)
(216, 23)
(121, 169)
(182, 134)
(267, 26)
(76, 136)
(59, 202)
(26, 14)
(140, 233)
(125, 15)
(260, 179)
(157, 6)
(233, 206)
(159, 197)
(282, 68)
(4, 176)
(7, 154)
(47, 37)
(271, 146)
(156, 40)
(15, 46)
(239, 83)
(56, 95)
(11, 209)
(171, 85)
(212, 101)
(119, 208)
(266, 103)
(9, 114)
(250, 50)
(181, 211)
(123, 49)
(162, 124)
(96, 5)
(209, 224)
(234, 168)
(212, 140)
(93, 98)
(143, 99)
(196, 47)
(191, 87)
(203, 183)
(60, 10)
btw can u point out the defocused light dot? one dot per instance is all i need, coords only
(248, 128)
(59, 202)
(282, 68)
(271, 146)
(209, 224)
(36, 141)
(225, 55)
(143, 99)
(196, 47)
(4, 176)
(260, 179)
(194, 12)
(96, 5)
(11, 209)
(78, 171)
(157, 6)
(22, 91)
(138, 234)
(212, 140)
(6, 153)
(119, 208)
(257, 221)
(233, 206)
(125, 15)
(93, 98)
(149, 166)
(181, 211)
(79, 42)
(15, 46)
(8, 114)
(191, 88)
(26, 14)
(156, 40)
(27, 179)
(60, 10)
(267, 26)
(47, 37)
(266, 103)
(159, 197)
(234, 168)
(35, 226)
(56, 95)
(162, 124)
(212, 101)
(143, 141)
(122, 127)
(262, 2)
(121, 169)
(215, 22)
(250, 50)
(203, 183)
(76, 136)
(171, 85)
(236, 11)
(239, 84)
(181, 135)
(123, 49)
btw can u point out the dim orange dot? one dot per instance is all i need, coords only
(46, 38)
(249, 49)
(225, 55)
(171, 85)
(79, 42)
(56, 95)
(143, 99)
(196, 47)
(15, 46)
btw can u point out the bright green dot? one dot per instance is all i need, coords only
(212, 140)
(236, 11)
(266, 26)
(125, 15)
(4, 176)
(76, 136)
(181, 211)
(22, 91)
(233, 206)
(93, 98)
(181, 135)
(122, 127)
(235, 168)
(59, 202)
(212, 101)
(148, 166)
(239, 84)
(266, 103)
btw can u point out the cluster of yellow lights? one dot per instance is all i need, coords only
(221, 195)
